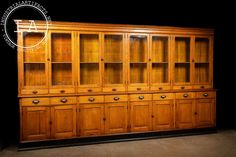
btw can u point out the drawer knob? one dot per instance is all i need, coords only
(63, 100)
(113, 89)
(116, 98)
(62, 91)
(182, 87)
(160, 88)
(202, 87)
(90, 90)
(141, 97)
(35, 101)
(185, 95)
(163, 96)
(138, 88)
(91, 99)
(205, 95)
(35, 92)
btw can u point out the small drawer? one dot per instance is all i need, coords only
(202, 86)
(91, 99)
(34, 92)
(116, 98)
(138, 89)
(89, 90)
(206, 94)
(184, 95)
(182, 87)
(160, 88)
(163, 96)
(140, 97)
(63, 100)
(62, 91)
(115, 89)
(34, 101)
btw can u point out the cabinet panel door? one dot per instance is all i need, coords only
(140, 116)
(205, 112)
(63, 121)
(185, 113)
(91, 119)
(163, 115)
(35, 123)
(116, 117)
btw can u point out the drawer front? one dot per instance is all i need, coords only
(63, 100)
(116, 98)
(202, 86)
(184, 95)
(206, 94)
(34, 92)
(138, 89)
(34, 101)
(140, 97)
(160, 88)
(115, 89)
(89, 90)
(62, 91)
(163, 96)
(91, 99)
(182, 87)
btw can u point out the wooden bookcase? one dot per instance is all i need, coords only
(101, 79)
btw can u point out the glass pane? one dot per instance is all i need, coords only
(159, 73)
(61, 74)
(89, 48)
(138, 48)
(35, 54)
(113, 73)
(61, 47)
(113, 48)
(89, 73)
(138, 73)
(182, 72)
(182, 49)
(201, 72)
(201, 50)
(159, 49)
(34, 74)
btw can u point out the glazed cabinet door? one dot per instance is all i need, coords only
(35, 123)
(91, 119)
(138, 62)
(63, 121)
(160, 62)
(32, 63)
(116, 117)
(185, 110)
(61, 62)
(89, 57)
(140, 116)
(205, 112)
(113, 60)
(163, 115)
(203, 62)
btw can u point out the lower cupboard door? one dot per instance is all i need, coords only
(35, 123)
(91, 119)
(63, 121)
(116, 118)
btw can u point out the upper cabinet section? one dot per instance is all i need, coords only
(89, 58)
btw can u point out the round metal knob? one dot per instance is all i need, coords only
(113, 89)
(160, 88)
(205, 95)
(185, 95)
(63, 100)
(138, 88)
(90, 90)
(182, 87)
(141, 97)
(35, 101)
(62, 91)
(163, 96)
(91, 99)
(35, 92)
(116, 98)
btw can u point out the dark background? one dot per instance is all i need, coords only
(183, 14)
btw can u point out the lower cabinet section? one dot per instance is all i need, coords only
(46, 118)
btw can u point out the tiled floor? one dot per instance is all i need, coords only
(221, 144)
